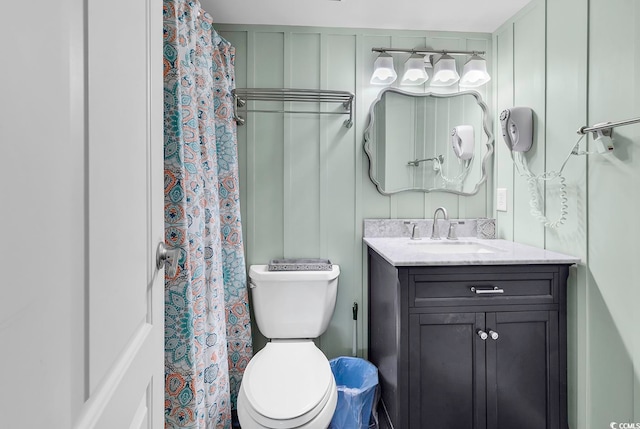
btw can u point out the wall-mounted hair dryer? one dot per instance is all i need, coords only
(517, 128)
(463, 141)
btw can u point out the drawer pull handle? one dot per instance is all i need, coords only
(495, 290)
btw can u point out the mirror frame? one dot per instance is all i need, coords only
(486, 125)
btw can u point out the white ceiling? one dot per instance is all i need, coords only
(438, 15)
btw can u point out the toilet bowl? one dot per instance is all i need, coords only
(289, 384)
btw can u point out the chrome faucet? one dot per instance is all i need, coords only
(434, 233)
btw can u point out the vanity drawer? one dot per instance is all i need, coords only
(479, 288)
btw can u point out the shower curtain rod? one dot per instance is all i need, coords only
(242, 95)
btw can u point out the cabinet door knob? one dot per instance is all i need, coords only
(493, 334)
(483, 335)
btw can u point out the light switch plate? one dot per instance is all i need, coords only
(501, 199)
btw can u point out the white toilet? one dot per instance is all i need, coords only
(289, 383)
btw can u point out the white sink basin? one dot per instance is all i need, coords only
(452, 247)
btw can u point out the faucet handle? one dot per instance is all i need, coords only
(452, 231)
(415, 230)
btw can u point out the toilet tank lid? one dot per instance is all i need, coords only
(262, 273)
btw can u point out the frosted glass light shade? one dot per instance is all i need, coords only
(474, 72)
(414, 72)
(444, 71)
(383, 71)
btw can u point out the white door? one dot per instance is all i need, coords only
(125, 303)
(81, 203)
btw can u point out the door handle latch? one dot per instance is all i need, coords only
(169, 257)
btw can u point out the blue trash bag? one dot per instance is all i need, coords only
(357, 381)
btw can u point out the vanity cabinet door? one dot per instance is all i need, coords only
(460, 380)
(523, 382)
(447, 367)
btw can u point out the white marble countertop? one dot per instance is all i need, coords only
(402, 251)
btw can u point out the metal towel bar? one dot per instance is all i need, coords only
(242, 95)
(608, 126)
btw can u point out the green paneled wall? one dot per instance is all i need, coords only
(551, 57)
(562, 59)
(304, 178)
(504, 88)
(612, 292)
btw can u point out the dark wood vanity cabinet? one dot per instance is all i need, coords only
(469, 347)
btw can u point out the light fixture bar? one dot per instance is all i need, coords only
(425, 51)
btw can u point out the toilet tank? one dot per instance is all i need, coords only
(293, 304)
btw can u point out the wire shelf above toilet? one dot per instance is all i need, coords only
(242, 95)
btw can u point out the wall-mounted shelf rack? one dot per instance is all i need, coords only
(242, 95)
(425, 51)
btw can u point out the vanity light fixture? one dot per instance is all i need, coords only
(444, 71)
(414, 71)
(444, 68)
(383, 71)
(474, 72)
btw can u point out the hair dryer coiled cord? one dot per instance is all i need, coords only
(536, 201)
(455, 181)
(536, 198)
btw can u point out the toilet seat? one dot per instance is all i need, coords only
(287, 384)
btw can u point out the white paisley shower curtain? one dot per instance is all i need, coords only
(207, 334)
